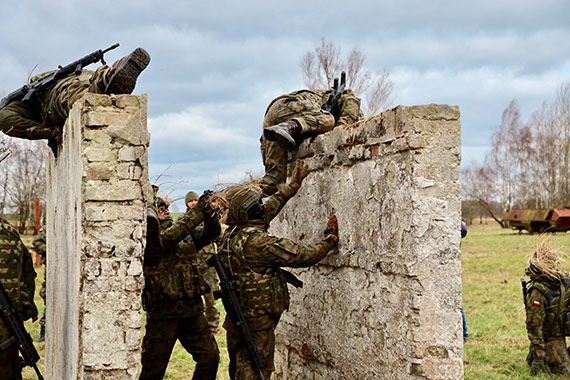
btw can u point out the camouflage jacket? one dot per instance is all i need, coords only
(40, 245)
(173, 285)
(308, 102)
(17, 275)
(253, 258)
(544, 314)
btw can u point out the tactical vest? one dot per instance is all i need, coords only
(12, 251)
(261, 290)
(176, 277)
(558, 308)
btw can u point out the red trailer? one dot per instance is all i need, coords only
(539, 220)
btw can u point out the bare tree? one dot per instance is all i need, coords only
(5, 147)
(322, 65)
(562, 143)
(25, 178)
(478, 185)
(501, 162)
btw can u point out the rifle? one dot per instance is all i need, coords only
(25, 92)
(233, 308)
(523, 284)
(19, 334)
(334, 96)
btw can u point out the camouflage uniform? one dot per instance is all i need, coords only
(40, 247)
(543, 323)
(304, 107)
(253, 258)
(46, 111)
(17, 275)
(208, 273)
(173, 289)
(211, 278)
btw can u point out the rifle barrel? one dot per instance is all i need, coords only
(111, 48)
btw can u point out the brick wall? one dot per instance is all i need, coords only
(96, 228)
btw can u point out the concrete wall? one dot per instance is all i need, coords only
(386, 304)
(96, 204)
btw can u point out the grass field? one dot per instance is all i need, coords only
(493, 262)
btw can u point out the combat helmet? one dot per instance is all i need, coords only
(245, 205)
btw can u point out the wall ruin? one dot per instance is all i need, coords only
(386, 304)
(96, 227)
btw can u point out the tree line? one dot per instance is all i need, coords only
(528, 164)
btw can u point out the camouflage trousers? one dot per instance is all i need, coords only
(43, 296)
(556, 356)
(275, 158)
(195, 336)
(312, 120)
(240, 367)
(10, 364)
(46, 111)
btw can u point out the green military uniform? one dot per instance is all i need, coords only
(44, 114)
(211, 278)
(17, 275)
(40, 246)
(544, 317)
(208, 273)
(304, 107)
(173, 290)
(253, 258)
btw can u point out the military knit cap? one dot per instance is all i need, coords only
(191, 196)
(544, 261)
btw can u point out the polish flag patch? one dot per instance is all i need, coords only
(536, 303)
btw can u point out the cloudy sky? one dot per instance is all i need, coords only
(216, 64)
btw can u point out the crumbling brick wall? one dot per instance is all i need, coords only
(386, 304)
(96, 226)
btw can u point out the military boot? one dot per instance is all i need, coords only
(124, 72)
(283, 133)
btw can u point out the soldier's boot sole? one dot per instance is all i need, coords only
(280, 135)
(124, 76)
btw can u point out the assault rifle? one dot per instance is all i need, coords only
(19, 334)
(523, 284)
(233, 308)
(334, 96)
(26, 91)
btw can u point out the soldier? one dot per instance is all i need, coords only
(43, 115)
(545, 312)
(292, 117)
(39, 244)
(17, 275)
(209, 273)
(253, 258)
(173, 290)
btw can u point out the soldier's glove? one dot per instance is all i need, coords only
(204, 202)
(537, 366)
(332, 226)
(299, 173)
